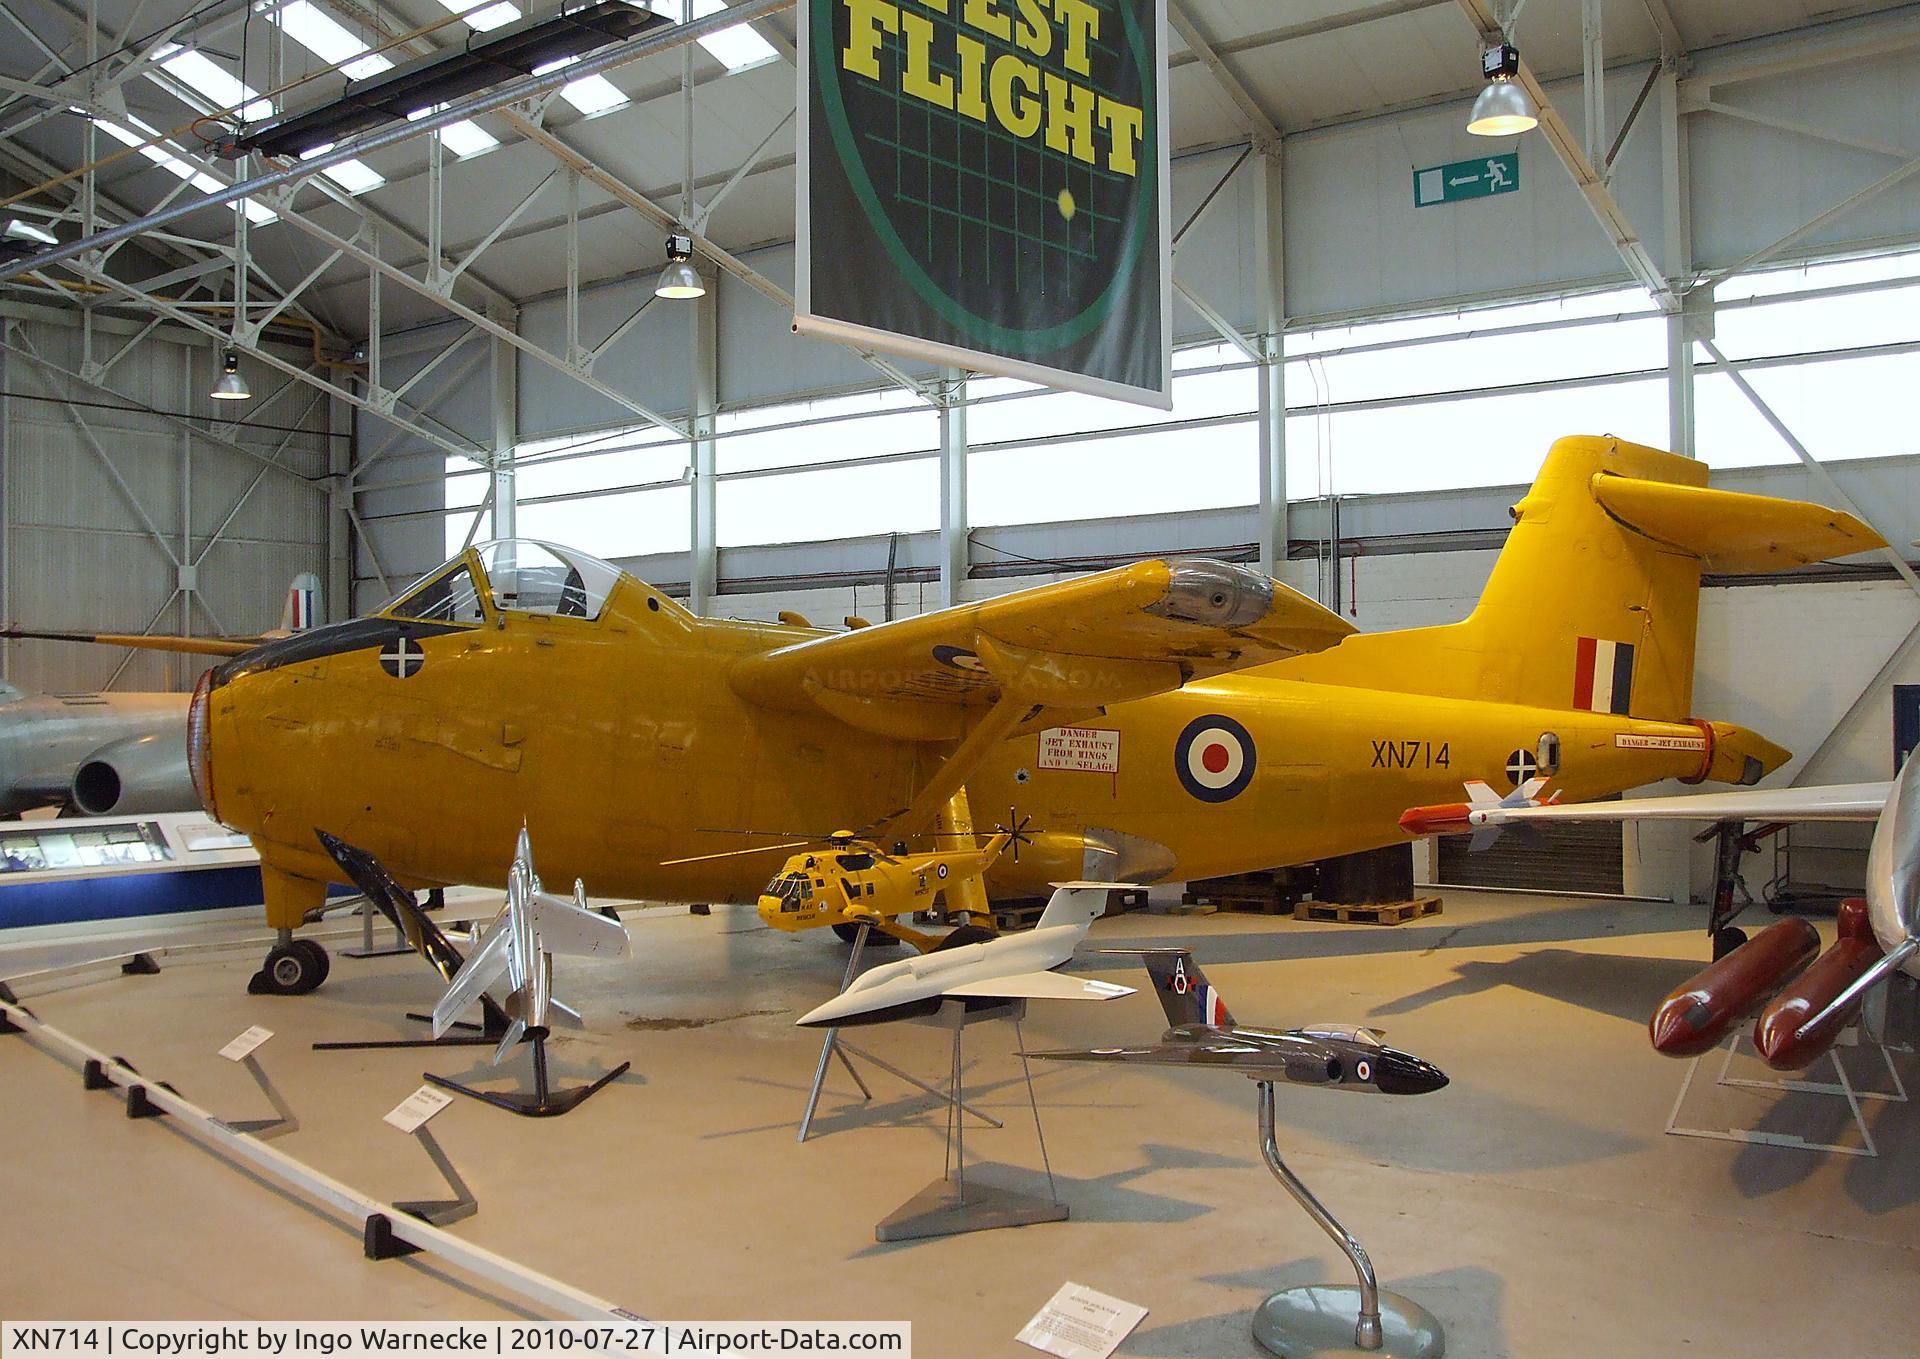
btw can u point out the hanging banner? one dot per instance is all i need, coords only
(983, 184)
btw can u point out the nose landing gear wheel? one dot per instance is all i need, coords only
(291, 969)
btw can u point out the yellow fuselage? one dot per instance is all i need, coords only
(619, 743)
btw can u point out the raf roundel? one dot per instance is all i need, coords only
(1214, 758)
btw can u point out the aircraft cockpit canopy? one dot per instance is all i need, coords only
(1353, 1033)
(446, 596)
(519, 575)
(535, 577)
(791, 889)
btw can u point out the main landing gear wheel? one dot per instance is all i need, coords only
(875, 938)
(1726, 939)
(291, 969)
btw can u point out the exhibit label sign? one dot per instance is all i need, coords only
(983, 184)
(1463, 179)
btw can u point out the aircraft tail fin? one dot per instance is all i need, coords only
(302, 608)
(1595, 596)
(1076, 903)
(1185, 993)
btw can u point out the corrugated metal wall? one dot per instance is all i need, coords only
(103, 499)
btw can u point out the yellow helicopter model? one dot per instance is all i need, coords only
(846, 880)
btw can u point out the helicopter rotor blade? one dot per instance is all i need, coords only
(736, 853)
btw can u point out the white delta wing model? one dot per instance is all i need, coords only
(1018, 966)
(532, 926)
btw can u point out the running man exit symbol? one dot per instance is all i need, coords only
(1463, 179)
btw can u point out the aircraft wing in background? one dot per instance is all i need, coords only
(1833, 802)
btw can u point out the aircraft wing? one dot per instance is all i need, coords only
(566, 929)
(1832, 802)
(1167, 1054)
(482, 967)
(1040, 986)
(195, 646)
(1075, 644)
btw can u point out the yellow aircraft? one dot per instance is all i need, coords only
(1164, 719)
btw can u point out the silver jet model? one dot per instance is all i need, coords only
(533, 925)
(1201, 1033)
(967, 967)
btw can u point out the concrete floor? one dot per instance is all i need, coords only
(1535, 1204)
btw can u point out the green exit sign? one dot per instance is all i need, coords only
(1465, 179)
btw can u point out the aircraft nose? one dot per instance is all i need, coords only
(1401, 1073)
(200, 743)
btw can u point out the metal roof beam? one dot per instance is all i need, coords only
(186, 318)
(1256, 118)
(615, 187)
(1593, 187)
(497, 99)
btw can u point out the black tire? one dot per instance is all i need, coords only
(290, 970)
(875, 938)
(1726, 939)
(321, 959)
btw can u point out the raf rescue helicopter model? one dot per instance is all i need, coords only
(1167, 719)
(849, 881)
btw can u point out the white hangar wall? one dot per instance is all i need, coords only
(111, 487)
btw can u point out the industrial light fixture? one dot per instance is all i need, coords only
(679, 279)
(1503, 108)
(230, 386)
(19, 229)
(21, 239)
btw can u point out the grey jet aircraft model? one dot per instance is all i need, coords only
(1201, 1033)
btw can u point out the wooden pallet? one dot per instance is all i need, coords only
(1385, 913)
(1273, 892)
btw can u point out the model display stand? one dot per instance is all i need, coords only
(543, 1101)
(1321, 1321)
(950, 1205)
(284, 1120)
(1841, 1087)
(440, 1212)
(834, 1046)
(367, 948)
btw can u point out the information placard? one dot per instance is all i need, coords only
(1081, 1323)
(411, 1113)
(237, 1050)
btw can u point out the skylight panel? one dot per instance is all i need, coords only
(735, 48)
(355, 176)
(317, 31)
(493, 16)
(466, 138)
(593, 94)
(214, 83)
(590, 94)
(175, 166)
